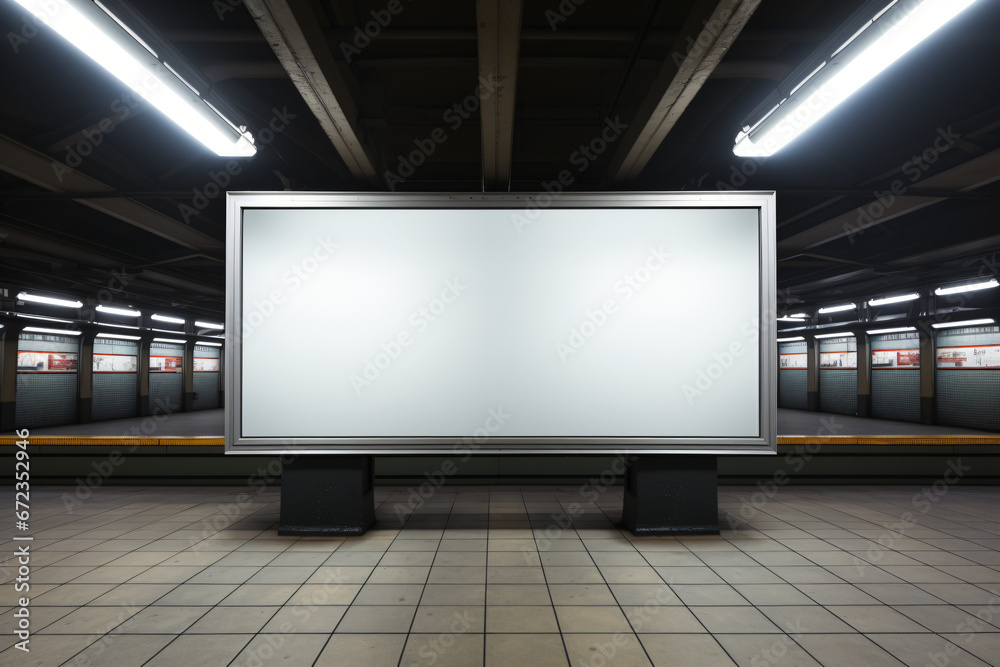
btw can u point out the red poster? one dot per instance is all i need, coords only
(165, 364)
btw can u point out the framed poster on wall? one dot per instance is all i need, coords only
(969, 356)
(909, 358)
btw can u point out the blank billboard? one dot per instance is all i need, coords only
(588, 323)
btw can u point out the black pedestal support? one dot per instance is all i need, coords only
(327, 495)
(671, 495)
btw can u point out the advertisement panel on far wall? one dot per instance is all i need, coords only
(206, 365)
(969, 356)
(165, 364)
(793, 360)
(895, 359)
(838, 360)
(115, 363)
(46, 362)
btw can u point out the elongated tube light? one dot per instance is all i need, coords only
(890, 34)
(96, 32)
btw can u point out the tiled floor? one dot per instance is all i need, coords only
(511, 576)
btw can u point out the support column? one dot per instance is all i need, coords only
(85, 376)
(8, 375)
(928, 407)
(864, 356)
(327, 494)
(812, 374)
(144, 407)
(671, 494)
(187, 378)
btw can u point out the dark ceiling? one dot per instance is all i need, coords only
(79, 206)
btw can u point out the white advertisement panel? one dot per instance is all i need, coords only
(514, 327)
(115, 363)
(833, 360)
(46, 362)
(206, 364)
(909, 358)
(969, 356)
(793, 360)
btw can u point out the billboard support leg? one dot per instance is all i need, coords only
(671, 495)
(327, 495)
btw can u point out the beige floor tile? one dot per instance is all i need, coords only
(57, 574)
(621, 650)
(893, 594)
(515, 575)
(767, 649)
(747, 575)
(454, 594)
(514, 559)
(689, 575)
(41, 617)
(573, 575)
(567, 558)
(521, 619)
(734, 620)
(260, 595)
(296, 619)
(962, 593)
(408, 559)
(282, 575)
(454, 619)
(592, 619)
(90, 621)
(324, 594)
(341, 574)
(680, 650)
(232, 620)
(443, 650)
(708, 595)
(361, 619)
(166, 574)
(399, 575)
(200, 650)
(457, 575)
(530, 649)
(299, 558)
(220, 574)
(162, 620)
(372, 650)
(946, 618)
(45, 652)
(983, 645)
(67, 594)
(615, 574)
(273, 649)
(462, 545)
(353, 558)
(389, 594)
(191, 595)
(672, 559)
(846, 650)
(875, 618)
(644, 594)
(926, 649)
(581, 594)
(772, 594)
(836, 594)
(517, 594)
(796, 620)
(115, 650)
(658, 618)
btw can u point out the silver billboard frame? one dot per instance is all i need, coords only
(763, 443)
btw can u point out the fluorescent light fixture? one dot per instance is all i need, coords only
(834, 335)
(44, 319)
(118, 311)
(893, 299)
(205, 342)
(791, 319)
(884, 39)
(51, 301)
(117, 326)
(837, 309)
(209, 325)
(966, 323)
(168, 340)
(121, 336)
(95, 31)
(802, 315)
(790, 340)
(164, 318)
(67, 332)
(941, 291)
(888, 331)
